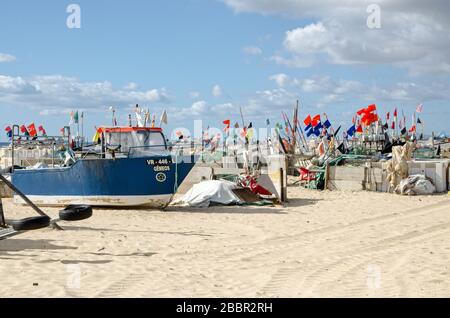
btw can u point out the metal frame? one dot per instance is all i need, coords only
(27, 201)
(46, 140)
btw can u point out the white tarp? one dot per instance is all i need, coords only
(213, 191)
(416, 185)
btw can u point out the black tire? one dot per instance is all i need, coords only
(76, 213)
(30, 224)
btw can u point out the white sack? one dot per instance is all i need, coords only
(416, 185)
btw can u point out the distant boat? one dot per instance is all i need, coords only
(134, 168)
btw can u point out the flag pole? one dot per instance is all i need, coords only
(242, 117)
(78, 127)
(294, 128)
(243, 127)
(300, 128)
(422, 130)
(246, 141)
(82, 129)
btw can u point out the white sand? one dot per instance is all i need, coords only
(324, 244)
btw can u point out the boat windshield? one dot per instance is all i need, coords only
(136, 143)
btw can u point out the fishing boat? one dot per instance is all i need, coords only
(133, 168)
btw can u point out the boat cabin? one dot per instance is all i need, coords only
(132, 141)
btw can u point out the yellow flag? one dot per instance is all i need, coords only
(96, 137)
(250, 133)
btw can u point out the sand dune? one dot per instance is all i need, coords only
(322, 244)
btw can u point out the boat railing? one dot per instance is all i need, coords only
(28, 150)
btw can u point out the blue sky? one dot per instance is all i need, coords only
(203, 59)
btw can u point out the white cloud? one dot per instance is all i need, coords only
(293, 62)
(7, 58)
(268, 102)
(194, 95)
(131, 86)
(57, 92)
(252, 50)
(311, 38)
(414, 34)
(205, 110)
(325, 84)
(280, 79)
(199, 108)
(226, 109)
(16, 85)
(216, 91)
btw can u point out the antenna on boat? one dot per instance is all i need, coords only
(113, 111)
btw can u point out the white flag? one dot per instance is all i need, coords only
(419, 108)
(164, 118)
(139, 119)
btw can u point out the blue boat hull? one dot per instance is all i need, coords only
(147, 181)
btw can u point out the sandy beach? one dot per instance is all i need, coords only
(322, 244)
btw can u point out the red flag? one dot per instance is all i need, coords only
(315, 121)
(228, 124)
(393, 125)
(413, 129)
(372, 108)
(8, 129)
(23, 129)
(361, 111)
(388, 116)
(395, 113)
(308, 120)
(32, 130)
(369, 118)
(359, 129)
(365, 120)
(42, 130)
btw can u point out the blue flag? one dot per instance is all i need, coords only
(317, 130)
(308, 127)
(327, 124)
(351, 131)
